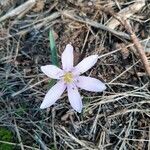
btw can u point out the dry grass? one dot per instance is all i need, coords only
(117, 119)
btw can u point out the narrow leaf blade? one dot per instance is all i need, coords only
(53, 49)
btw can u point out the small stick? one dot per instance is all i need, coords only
(135, 40)
(139, 47)
(95, 24)
(20, 9)
(18, 135)
(126, 13)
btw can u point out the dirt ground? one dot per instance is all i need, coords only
(116, 119)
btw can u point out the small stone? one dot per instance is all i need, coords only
(90, 3)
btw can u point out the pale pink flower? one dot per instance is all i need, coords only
(69, 77)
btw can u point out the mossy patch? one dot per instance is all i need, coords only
(7, 136)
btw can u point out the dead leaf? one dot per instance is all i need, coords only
(39, 6)
(124, 50)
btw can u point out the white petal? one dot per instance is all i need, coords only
(52, 71)
(85, 64)
(67, 58)
(90, 84)
(74, 97)
(53, 94)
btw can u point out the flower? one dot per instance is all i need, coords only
(69, 77)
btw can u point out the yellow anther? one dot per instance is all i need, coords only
(68, 77)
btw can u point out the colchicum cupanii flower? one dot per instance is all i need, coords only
(70, 78)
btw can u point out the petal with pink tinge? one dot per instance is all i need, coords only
(85, 64)
(67, 58)
(53, 94)
(52, 71)
(90, 84)
(74, 97)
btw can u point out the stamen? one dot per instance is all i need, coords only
(68, 77)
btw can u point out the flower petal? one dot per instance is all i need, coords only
(67, 58)
(74, 97)
(53, 94)
(52, 71)
(90, 84)
(85, 64)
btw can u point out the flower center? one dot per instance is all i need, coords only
(68, 77)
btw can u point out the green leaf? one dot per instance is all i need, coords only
(53, 49)
(54, 57)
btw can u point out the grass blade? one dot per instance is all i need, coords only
(53, 49)
(54, 57)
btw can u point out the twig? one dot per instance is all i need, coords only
(16, 144)
(20, 9)
(37, 25)
(132, 44)
(123, 72)
(41, 143)
(94, 24)
(18, 135)
(135, 40)
(126, 13)
(53, 128)
(149, 140)
(28, 87)
(77, 140)
(139, 47)
(122, 112)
